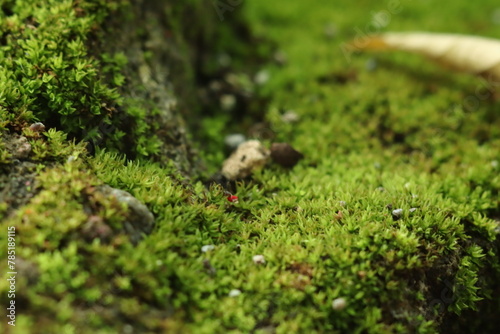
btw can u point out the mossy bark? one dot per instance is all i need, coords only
(160, 74)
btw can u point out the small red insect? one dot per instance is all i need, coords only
(232, 198)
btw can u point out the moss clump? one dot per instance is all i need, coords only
(88, 67)
(389, 224)
(47, 73)
(70, 224)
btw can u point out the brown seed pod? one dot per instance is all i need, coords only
(285, 155)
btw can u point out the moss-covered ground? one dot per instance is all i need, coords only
(379, 133)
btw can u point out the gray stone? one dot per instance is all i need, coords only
(249, 156)
(139, 220)
(397, 213)
(21, 148)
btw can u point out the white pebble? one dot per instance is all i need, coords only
(207, 248)
(397, 213)
(234, 293)
(248, 157)
(261, 77)
(339, 304)
(259, 259)
(290, 117)
(413, 209)
(227, 102)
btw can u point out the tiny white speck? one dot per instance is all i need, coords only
(207, 248)
(261, 77)
(227, 102)
(234, 293)
(397, 212)
(259, 259)
(339, 304)
(290, 117)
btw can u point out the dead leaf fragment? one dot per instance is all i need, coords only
(471, 54)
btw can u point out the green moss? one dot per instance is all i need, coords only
(46, 68)
(54, 71)
(397, 137)
(53, 147)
